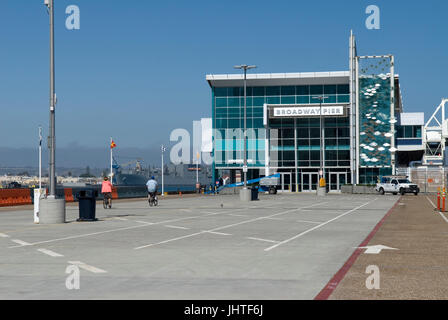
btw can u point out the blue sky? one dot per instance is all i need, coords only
(136, 69)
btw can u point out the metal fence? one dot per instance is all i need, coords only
(429, 179)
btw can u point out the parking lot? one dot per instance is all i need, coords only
(286, 246)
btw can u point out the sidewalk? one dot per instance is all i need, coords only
(418, 270)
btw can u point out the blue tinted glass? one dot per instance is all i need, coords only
(248, 101)
(314, 100)
(258, 122)
(220, 92)
(235, 92)
(343, 98)
(343, 89)
(303, 99)
(234, 102)
(272, 91)
(288, 91)
(221, 113)
(259, 102)
(221, 102)
(303, 90)
(258, 91)
(330, 99)
(330, 89)
(317, 89)
(288, 100)
(273, 100)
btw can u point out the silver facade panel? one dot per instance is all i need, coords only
(280, 79)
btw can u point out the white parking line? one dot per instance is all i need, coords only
(170, 240)
(22, 243)
(84, 266)
(317, 227)
(175, 227)
(50, 253)
(441, 214)
(264, 240)
(225, 227)
(307, 221)
(144, 224)
(432, 203)
(121, 219)
(238, 215)
(218, 233)
(275, 219)
(2, 235)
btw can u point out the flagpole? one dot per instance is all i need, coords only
(197, 168)
(163, 185)
(40, 158)
(111, 160)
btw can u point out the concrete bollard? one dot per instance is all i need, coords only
(52, 211)
(246, 195)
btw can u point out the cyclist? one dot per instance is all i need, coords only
(152, 188)
(106, 190)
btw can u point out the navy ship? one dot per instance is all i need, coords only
(180, 177)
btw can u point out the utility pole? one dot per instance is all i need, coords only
(40, 158)
(322, 181)
(52, 137)
(163, 185)
(245, 67)
(52, 210)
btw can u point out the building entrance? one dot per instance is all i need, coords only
(337, 179)
(286, 182)
(310, 182)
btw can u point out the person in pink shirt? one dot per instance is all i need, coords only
(106, 190)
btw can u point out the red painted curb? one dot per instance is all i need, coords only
(337, 278)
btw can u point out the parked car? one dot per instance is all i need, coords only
(397, 185)
(14, 185)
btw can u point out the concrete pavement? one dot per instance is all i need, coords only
(284, 246)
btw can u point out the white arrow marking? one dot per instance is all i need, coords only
(376, 249)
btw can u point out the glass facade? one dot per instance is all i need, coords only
(409, 132)
(291, 145)
(300, 139)
(228, 116)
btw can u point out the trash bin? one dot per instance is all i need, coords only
(254, 193)
(87, 205)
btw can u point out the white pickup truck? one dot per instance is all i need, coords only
(397, 185)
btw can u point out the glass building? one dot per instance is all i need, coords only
(356, 139)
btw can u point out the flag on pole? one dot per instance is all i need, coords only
(112, 144)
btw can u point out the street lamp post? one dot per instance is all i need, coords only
(245, 67)
(52, 210)
(52, 140)
(321, 171)
(163, 185)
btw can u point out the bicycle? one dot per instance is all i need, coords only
(152, 199)
(107, 201)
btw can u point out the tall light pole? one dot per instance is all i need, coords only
(245, 67)
(52, 137)
(52, 210)
(40, 158)
(321, 171)
(163, 149)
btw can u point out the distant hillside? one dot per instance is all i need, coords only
(77, 157)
